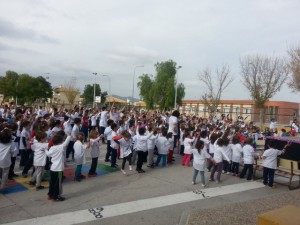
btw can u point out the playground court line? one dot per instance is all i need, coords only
(102, 212)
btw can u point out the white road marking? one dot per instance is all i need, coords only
(87, 215)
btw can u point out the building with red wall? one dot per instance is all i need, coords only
(283, 112)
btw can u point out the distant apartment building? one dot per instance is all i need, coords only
(60, 97)
(283, 112)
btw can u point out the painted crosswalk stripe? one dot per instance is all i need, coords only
(101, 212)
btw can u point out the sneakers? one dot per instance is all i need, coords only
(193, 183)
(92, 175)
(203, 185)
(59, 199)
(141, 171)
(78, 179)
(82, 177)
(228, 173)
(31, 183)
(40, 188)
(217, 181)
(211, 179)
(50, 197)
(123, 171)
(130, 168)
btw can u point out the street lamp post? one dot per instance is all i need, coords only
(175, 100)
(109, 85)
(133, 81)
(94, 90)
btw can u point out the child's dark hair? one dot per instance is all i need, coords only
(220, 142)
(186, 133)
(5, 136)
(203, 134)
(199, 146)
(164, 132)
(66, 118)
(236, 140)
(225, 141)
(61, 133)
(170, 135)
(272, 144)
(110, 122)
(142, 130)
(40, 135)
(25, 123)
(121, 123)
(77, 120)
(113, 126)
(131, 125)
(126, 134)
(57, 139)
(213, 138)
(43, 126)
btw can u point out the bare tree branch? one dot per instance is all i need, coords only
(71, 90)
(294, 65)
(216, 85)
(263, 76)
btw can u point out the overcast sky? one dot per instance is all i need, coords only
(73, 38)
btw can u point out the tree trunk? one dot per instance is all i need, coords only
(261, 114)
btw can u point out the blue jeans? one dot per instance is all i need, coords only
(268, 176)
(201, 176)
(78, 171)
(164, 160)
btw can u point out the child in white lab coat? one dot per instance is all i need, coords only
(5, 156)
(199, 160)
(39, 147)
(79, 156)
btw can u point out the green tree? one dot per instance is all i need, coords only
(88, 93)
(145, 85)
(161, 90)
(8, 84)
(31, 89)
(24, 87)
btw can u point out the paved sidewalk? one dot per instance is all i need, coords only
(133, 188)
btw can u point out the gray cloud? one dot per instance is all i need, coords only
(9, 30)
(8, 48)
(112, 37)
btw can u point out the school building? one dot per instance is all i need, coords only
(282, 112)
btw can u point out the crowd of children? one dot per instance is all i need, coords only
(44, 140)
